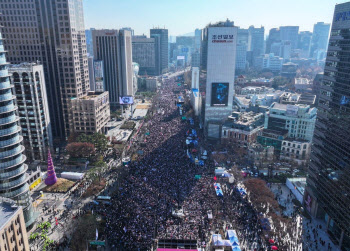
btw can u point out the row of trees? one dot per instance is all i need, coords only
(42, 234)
(264, 201)
(87, 146)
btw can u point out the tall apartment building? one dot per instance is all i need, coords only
(114, 48)
(13, 233)
(145, 52)
(221, 59)
(290, 33)
(54, 36)
(320, 36)
(328, 184)
(13, 179)
(162, 35)
(30, 90)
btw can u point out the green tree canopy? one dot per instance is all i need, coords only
(279, 81)
(97, 139)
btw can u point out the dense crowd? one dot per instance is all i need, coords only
(163, 181)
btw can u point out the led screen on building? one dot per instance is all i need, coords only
(219, 94)
(126, 100)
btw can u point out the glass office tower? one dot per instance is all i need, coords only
(327, 194)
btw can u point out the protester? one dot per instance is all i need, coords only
(163, 180)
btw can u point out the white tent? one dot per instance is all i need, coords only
(72, 175)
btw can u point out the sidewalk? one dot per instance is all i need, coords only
(284, 198)
(318, 234)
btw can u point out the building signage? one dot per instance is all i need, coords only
(219, 94)
(126, 100)
(222, 38)
(342, 16)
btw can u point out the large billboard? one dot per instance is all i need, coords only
(219, 94)
(126, 100)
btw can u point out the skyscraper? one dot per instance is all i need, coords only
(327, 194)
(274, 37)
(256, 41)
(319, 37)
(162, 35)
(290, 33)
(55, 36)
(128, 29)
(204, 49)
(197, 40)
(304, 43)
(242, 47)
(30, 90)
(13, 179)
(114, 48)
(144, 53)
(221, 59)
(89, 46)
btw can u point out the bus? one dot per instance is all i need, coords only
(104, 199)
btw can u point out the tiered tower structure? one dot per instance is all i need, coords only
(51, 175)
(13, 179)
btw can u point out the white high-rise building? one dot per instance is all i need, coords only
(195, 78)
(221, 62)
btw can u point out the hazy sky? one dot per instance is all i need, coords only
(184, 16)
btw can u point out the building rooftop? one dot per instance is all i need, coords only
(142, 39)
(286, 106)
(226, 23)
(302, 81)
(7, 209)
(261, 80)
(24, 65)
(243, 99)
(245, 120)
(91, 96)
(296, 140)
(296, 98)
(299, 184)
